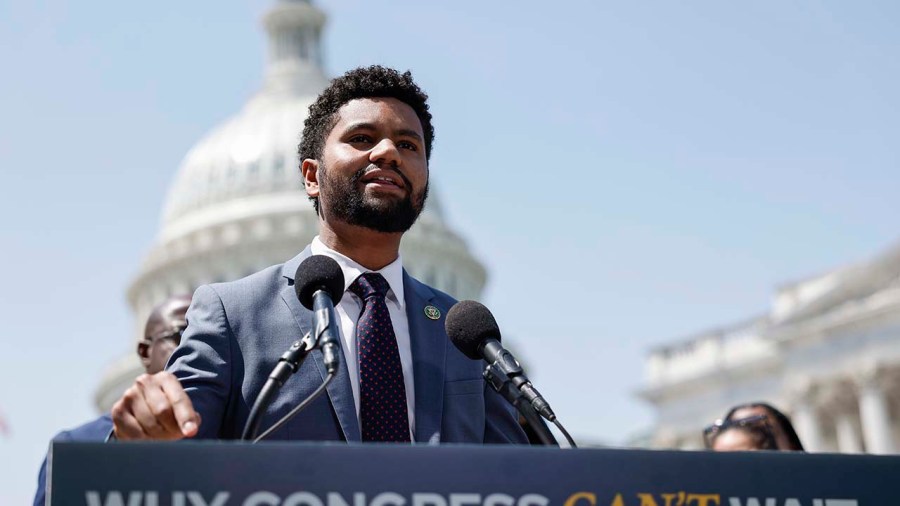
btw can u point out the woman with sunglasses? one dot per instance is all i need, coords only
(786, 438)
(742, 434)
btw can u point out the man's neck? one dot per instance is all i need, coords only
(369, 248)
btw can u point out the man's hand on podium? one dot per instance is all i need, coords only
(156, 407)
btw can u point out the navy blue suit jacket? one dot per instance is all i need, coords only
(237, 331)
(95, 430)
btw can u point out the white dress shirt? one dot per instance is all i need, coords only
(348, 311)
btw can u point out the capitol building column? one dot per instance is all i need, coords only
(806, 417)
(847, 438)
(873, 411)
(841, 403)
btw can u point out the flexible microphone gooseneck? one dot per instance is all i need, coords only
(319, 284)
(475, 332)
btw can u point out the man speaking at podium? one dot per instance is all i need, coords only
(364, 161)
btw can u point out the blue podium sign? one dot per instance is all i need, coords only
(299, 474)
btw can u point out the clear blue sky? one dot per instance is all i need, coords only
(657, 168)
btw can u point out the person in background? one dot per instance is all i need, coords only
(786, 438)
(162, 334)
(741, 434)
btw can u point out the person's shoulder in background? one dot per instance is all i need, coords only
(97, 429)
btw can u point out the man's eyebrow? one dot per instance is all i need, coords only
(359, 126)
(364, 125)
(409, 133)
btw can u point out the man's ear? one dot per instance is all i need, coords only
(143, 349)
(309, 168)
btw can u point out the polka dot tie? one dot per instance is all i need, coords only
(382, 394)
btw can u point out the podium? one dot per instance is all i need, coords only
(208, 473)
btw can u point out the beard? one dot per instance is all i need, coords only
(348, 202)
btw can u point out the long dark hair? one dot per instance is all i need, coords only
(778, 418)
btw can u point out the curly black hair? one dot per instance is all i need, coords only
(362, 82)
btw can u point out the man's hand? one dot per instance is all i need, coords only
(156, 408)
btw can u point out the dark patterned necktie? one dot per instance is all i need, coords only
(382, 394)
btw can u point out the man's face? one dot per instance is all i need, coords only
(160, 348)
(163, 334)
(373, 171)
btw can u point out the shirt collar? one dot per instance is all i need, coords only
(392, 272)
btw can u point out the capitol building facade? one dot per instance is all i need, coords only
(237, 204)
(827, 353)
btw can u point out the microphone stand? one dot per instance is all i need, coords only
(326, 340)
(287, 365)
(501, 384)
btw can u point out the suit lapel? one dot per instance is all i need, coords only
(339, 391)
(429, 349)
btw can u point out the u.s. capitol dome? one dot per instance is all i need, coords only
(237, 205)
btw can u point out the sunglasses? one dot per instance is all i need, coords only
(753, 423)
(173, 335)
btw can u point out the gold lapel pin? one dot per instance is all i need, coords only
(432, 312)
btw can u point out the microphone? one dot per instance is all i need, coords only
(475, 332)
(319, 284)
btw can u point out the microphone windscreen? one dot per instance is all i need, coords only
(469, 324)
(318, 272)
